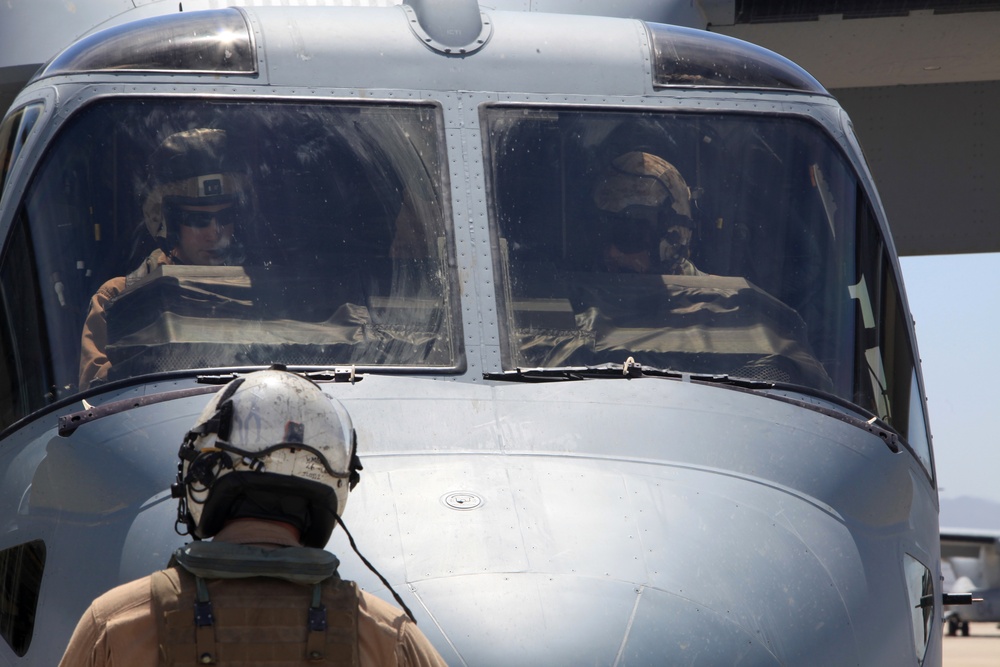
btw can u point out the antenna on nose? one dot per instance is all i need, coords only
(452, 27)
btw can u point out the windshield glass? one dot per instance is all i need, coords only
(186, 234)
(703, 243)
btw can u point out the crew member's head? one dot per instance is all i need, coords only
(270, 445)
(198, 198)
(646, 206)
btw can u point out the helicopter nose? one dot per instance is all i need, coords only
(696, 569)
(569, 620)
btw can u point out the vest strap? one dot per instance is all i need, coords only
(316, 641)
(254, 619)
(204, 621)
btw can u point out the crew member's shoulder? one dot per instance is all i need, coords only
(110, 289)
(122, 601)
(380, 611)
(387, 636)
(115, 286)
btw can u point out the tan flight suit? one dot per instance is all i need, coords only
(120, 630)
(94, 363)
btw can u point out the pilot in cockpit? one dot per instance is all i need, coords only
(198, 196)
(645, 208)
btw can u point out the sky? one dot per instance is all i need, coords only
(955, 302)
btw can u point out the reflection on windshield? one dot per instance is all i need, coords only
(185, 235)
(701, 243)
(172, 234)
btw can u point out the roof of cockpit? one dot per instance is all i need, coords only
(525, 52)
(388, 48)
(384, 48)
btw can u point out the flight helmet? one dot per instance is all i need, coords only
(646, 207)
(643, 179)
(270, 445)
(196, 168)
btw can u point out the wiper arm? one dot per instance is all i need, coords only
(336, 374)
(558, 373)
(69, 423)
(629, 370)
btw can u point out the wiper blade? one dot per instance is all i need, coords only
(337, 374)
(567, 373)
(629, 370)
(69, 423)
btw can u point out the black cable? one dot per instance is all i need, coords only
(376, 572)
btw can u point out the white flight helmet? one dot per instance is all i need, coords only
(270, 445)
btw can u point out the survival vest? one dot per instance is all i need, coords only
(233, 604)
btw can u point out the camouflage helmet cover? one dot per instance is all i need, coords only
(191, 167)
(642, 179)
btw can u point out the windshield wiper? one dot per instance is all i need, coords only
(69, 423)
(337, 374)
(629, 370)
(558, 373)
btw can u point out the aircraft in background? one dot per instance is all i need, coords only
(568, 439)
(971, 566)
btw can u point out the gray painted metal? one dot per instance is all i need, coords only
(451, 27)
(598, 533)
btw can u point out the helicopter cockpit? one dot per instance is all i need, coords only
(346, 254)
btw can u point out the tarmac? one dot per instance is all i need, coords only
(980, 649)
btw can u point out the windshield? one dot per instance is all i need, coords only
(702, 243)
(174, 234)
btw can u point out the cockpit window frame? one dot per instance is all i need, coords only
(446, 244)
(876, 225)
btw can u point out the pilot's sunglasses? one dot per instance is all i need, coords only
(637, 215)
(202, 219)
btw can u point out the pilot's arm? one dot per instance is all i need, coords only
(94, 363)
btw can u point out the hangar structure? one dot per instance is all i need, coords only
(921, 81)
